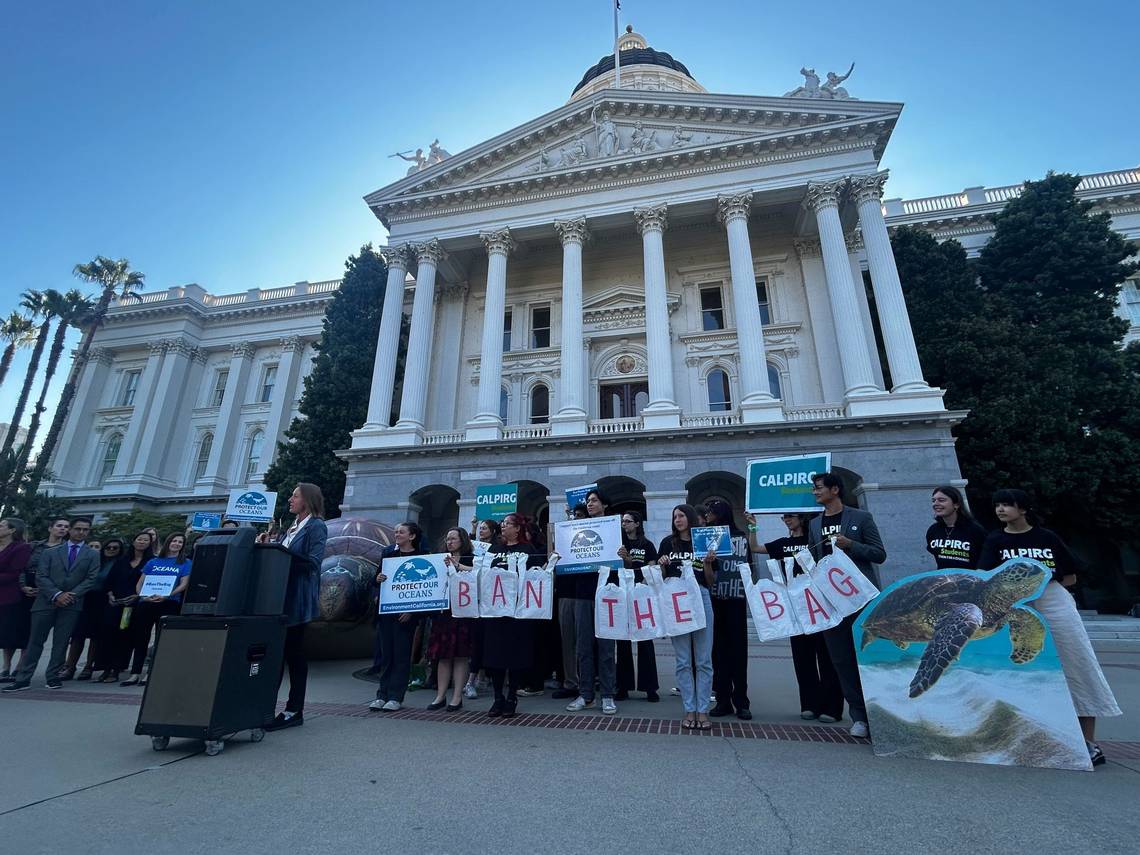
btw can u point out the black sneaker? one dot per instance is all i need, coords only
(18, 686)
(744, 714)
(1095, 754)
(652, 697)
(54, 684)
(496, 709)
(281, 722)
(720, 710)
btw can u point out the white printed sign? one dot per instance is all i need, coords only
(251, 506)
(160, 585)
(586, 546)
(415, 583)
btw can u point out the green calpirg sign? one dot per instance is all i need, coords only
(495, 501)
(782, 485)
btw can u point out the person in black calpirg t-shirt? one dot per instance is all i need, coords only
(636, 551)
(955, 539)
(1019, 538)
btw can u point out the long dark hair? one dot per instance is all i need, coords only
(166, 546)
(1020, 498)
(313, 497)
(601, 499)
(492, 526)
(690, 514)
(148, 553)
(417, 534)
(103, 552)
(523, 525)
(955, 496)
(639, 531)
(465, 547)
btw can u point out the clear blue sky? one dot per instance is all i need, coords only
(230, 143)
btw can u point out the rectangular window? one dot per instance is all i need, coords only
(130, 386)
(218, 394)
(269, 379)
(539, 327)
(507, 318)
(762, 299)
(1130, 299)
(712, 308)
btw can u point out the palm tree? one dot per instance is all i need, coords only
(115, 278)
(18, 331)
(73, 310)
(38, 304)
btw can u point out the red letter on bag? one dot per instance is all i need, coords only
(535, 590)
(497, 592)
(848, 589)
(814, 606)
(682, 615)
(637, 615)
(463, 595)
(772, 602)
(610, 603)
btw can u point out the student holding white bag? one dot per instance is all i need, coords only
(636, 551)
(693, 651)
(452, 638)
(508, 643)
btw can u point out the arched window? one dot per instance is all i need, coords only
(774, 381)
(253, 461)
(539, 405)
(720, 398)
(504, 401)
(110, 456)
(204, 448)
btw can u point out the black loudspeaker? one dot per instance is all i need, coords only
(213, 677)
(219, 573)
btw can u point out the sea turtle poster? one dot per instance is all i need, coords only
(959, 666)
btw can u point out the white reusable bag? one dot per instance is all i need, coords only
(646, 613)
(813, 610)
(842, 582)
(498, 590)
(768, 602)
(682, 609)
(611, 607)
(463, 592)
(536, 591)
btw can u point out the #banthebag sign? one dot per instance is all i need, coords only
(782, 485)
(158, 585)
(715, 537)
(586, 546)
(414, 583)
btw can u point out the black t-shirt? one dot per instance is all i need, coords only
(677, 550)
(1038, 543)
(829, 527)
(786, 547)
(641, 552)
(501, 549)
(958, 547)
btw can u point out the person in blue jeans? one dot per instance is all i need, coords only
(693, 651)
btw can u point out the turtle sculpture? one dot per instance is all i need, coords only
(949, 609)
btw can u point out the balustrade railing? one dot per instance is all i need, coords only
(604, 426)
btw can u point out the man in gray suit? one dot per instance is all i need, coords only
(64, 574)
(857, 535)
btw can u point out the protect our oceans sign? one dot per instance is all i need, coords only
(416, 583)
(586, 546)
(495, 501)
(251, 505)
(715, 537)
(782, 485)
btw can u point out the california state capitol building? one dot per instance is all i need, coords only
(645, 287)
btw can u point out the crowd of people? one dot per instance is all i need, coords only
(90, 596)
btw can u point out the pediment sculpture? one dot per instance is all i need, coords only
(420, 162)
(829, 91)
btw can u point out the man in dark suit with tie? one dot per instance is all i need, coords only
(64, 574)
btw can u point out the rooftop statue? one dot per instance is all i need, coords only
(437, 154)
(831, 90)
(418, 159)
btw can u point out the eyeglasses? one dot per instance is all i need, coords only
(510, 522)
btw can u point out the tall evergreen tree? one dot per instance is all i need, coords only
(335, 399)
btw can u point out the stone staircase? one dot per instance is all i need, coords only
(1111, 627)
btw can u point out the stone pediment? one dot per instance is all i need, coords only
(620, 307)
(621, 134)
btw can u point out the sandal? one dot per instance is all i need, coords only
(688, 723)
(704, 724)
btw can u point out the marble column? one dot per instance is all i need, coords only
(70, 452)
(571, 416)
(285, 393)
(662, 411)
(226, 431)
(756, 401)
(858, 379)
(413, 397)
(164, 411)
(388, 339)
(826, 345)
(854, 251)
(898, 338)
(144, 395)
(487, 425)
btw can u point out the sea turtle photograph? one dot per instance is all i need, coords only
(948, 610)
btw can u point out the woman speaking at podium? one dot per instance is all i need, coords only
(306, 540)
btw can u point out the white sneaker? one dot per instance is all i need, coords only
(377, 705)
(675, 691)
(579, 704)
(470, 692)
(391, 706)
(860, 730)
(608, 706)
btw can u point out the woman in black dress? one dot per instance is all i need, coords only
(508, 644)
(451, 640)
(115, 634)
(636, 551)
(90, 626)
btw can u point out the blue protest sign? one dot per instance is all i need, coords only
(715, 537)
(205, 521)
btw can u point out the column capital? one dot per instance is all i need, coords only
(807, 247)
(868, 188)
(103, 355)
(430, 251)
(651, 218)
(396, 255)
(453, 290)
(244, 350)
(498, 242)
(854, 240)
(572, 231)
(179, 345)
(292, 343)
(738, 205)
(824, 194)
(199, 355)
(157, 348)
